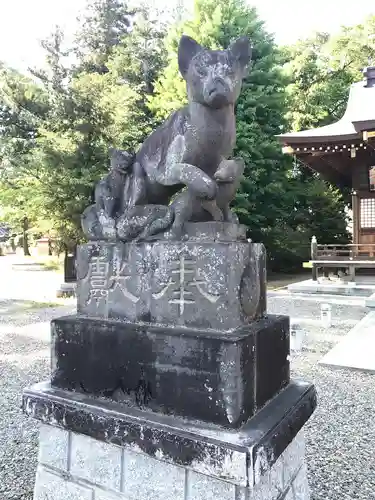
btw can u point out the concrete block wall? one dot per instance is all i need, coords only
(77, 467)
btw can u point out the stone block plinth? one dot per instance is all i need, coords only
(91, 448)
(204, 374)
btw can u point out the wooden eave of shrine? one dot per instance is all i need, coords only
(334, 149)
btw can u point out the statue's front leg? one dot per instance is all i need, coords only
(199, 187)
(197, 181)
(212, 208)
(230, 216)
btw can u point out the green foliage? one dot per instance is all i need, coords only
(64, 126)
(322, 68)
(137, 62)
(103, 26)
(56, 129)
(22, 107)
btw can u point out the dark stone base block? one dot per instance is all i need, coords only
(239, 457)
(224, 378)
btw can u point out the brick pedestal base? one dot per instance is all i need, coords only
(77, 467)
(96, 449)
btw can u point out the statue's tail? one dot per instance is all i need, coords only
(157, 225)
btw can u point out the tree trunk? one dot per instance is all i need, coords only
(13, 244)
(25, 227)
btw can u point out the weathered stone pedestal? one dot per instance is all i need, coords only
(96, 448)
(171, 382)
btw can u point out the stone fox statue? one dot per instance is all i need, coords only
(189, 147)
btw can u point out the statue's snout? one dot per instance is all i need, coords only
(217, 92)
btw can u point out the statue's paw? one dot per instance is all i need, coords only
(143, 236)
(231, 217)
(109, 232)
(215, 212)
(123, 230)
(218, 215)
(176, 232)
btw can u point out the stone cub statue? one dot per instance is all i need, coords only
(228, 177)
(99, 220)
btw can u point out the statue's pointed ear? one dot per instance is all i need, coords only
(187, 49)
(241, 51)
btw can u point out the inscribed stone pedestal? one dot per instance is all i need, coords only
(201, 282)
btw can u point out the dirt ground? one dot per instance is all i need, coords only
(282, 280)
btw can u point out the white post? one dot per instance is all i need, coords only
(326, 315)
(296, 337)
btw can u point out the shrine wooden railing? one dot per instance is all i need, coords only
(349, 256)
(353, 252)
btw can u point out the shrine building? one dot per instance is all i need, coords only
(343, 153)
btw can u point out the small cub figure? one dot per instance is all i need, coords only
(99, 220)
(228, 177)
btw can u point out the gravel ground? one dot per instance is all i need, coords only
(24, 360)
(344, 310)
(340, 435)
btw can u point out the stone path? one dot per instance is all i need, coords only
(27, 305)
(340, 436)
(356, 350)
(24, 279)
(24, 360)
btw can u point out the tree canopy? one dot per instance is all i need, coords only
(57, 128)
(321, 69)
(278, 199)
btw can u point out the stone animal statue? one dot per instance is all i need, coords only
(99, 220)
(192, 145)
